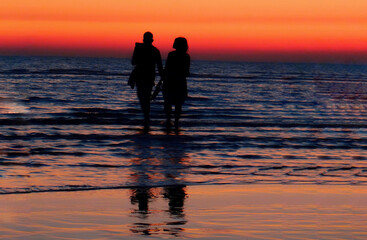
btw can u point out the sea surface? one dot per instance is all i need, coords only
(73, 124)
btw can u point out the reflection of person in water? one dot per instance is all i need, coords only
(150, 167)
(141, 176)
(176, 196)
(145, 58)
(174, 85)
(141, 196)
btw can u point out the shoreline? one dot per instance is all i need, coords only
(252, 211)
(267, 183)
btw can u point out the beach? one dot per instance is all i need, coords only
(263, 151)
(208, 212)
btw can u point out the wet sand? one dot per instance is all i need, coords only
(195, 212)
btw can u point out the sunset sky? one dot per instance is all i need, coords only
(256, 30)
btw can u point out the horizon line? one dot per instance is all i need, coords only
(335, 62)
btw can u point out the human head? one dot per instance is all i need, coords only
(180, 44)
(148, 37)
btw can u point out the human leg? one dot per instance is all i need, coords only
(144, 93)
(167, 111)
(178, 110)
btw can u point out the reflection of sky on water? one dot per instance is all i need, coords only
(257, 211)
(12, 106)
(242, 123)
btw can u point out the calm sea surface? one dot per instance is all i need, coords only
(74, 124)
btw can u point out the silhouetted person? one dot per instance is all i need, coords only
(176, 194)
(141, 196)
(174, 84)
(145, 58)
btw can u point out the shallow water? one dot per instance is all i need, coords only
(74, 124)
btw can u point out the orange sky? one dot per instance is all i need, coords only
(257, 30)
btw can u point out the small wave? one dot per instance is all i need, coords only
(44, 100)
(253, 157)
(201, 98)
(272, 168)
(66, 71)
(10, 105)
(73, 188)
(16, 71)
(26, 164)
(54, 152)
(122, 117)
(307, 168)
(84, 119)
(74, 71)
(93, 72)
(220, 76)
(97, 112)
(97, 165)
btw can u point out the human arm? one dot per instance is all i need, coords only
(188, 62)
(159, 64)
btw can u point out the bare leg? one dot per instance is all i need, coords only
(144, 99)
(168, 111)
(178, 110)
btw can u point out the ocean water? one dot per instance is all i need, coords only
(74, 124)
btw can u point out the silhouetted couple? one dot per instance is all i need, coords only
(146, 58)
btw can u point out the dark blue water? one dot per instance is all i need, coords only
(74, 124)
